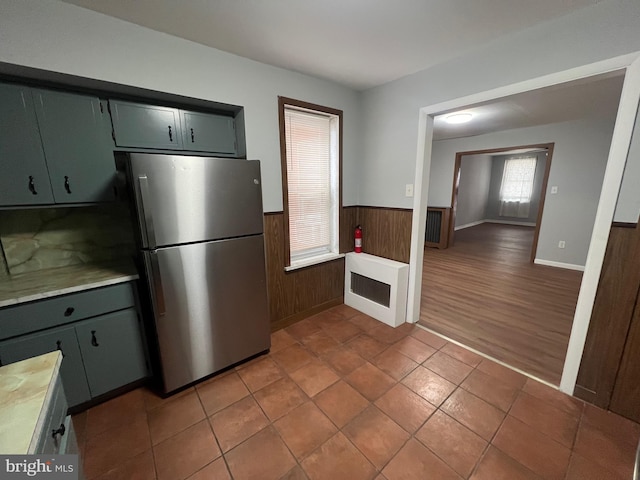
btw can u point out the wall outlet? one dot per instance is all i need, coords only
(408, 190)
(561, 244)
(554, 190)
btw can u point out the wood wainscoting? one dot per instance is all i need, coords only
(301, 293)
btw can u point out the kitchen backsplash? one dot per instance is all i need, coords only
(37, 239)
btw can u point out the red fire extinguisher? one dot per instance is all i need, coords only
(358, 239)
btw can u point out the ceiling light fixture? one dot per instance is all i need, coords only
(456, 118)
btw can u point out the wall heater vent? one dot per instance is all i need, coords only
(437, 231)
(377, 286)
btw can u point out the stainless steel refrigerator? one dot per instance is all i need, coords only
(201, 227)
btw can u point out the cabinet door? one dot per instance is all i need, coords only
(74, 131)
(145, 126)
(74, 379)
(112, 350)
(208, 133)
(24, 179)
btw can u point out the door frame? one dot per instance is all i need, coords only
(543, 188)
(618, 150)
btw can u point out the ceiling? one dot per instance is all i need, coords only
(359, 43)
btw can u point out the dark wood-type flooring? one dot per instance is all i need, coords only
(484, 293)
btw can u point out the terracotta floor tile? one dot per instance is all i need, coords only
(448, 367)
(569, 404)
(344, 360)
(454, 443)
(112, 447)
(429, 385)
(428, 338)
(280, 340)
(366, 346)
(345, 311)
(387, 334)
(474, 413)
(462, 354)
(264, 456)
(314, 377)
(495, 465)
(174, 416)
(304, 429)
(581, 468)
(370, 381)
(140, 467)
(394, 363)
(328, 318)
(320, 343)
(377, 436)
(186, 453)
(414, 349)
(260, 374)
(221, 392)
(296, 473)
(415, 462)
(338, 458)
(365, 322)
(502, 373)
(612, 453)
(303, 328)
(80, 426)
(216, 470)
(238, 422)
(611, 424)
(406, 408)
(490, 389)
(292, 358)
(342, 332)
(532, 449)
(119, 411)
(544, 417)
(341, 402)
(279, 398)
(152, 399)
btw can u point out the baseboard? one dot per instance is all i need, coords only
(296, 317)
(510, 222)
(568, 266)
(467, 225)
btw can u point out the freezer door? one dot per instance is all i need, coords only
(183, 199)
(210, 306)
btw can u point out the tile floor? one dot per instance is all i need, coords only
(342, 396)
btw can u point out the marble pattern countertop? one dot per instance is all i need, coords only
(26, 287)
(26, 389)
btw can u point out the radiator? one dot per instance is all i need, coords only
(437, 230)
(377, 286)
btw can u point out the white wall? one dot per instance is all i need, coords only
(628, 206)
(577, 169)
(64, 38)
(473, 189)
(391, 112)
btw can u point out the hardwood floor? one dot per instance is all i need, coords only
(484, 293)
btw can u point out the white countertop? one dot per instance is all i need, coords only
(26, 287)
(26, 390)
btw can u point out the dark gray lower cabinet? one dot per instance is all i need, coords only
(64, 339)
(111, 347)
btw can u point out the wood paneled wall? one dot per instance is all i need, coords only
(612, 316)
(301, 293)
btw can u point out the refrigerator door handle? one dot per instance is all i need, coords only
(157, 292)
(146, 220)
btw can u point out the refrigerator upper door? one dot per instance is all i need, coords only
(184, 199)
(210, 306)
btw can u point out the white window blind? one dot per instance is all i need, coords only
(312, 182)
(517, 179)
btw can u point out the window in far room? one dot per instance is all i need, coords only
(517, 187)
(311, 148)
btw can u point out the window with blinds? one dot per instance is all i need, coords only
(311, 165)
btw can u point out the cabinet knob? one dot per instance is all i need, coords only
(58, 431)
(193, 137)
(32, 185)
(94, 340)
(69, 311)
(67, 187)
(170, 134)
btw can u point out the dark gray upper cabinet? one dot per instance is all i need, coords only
(74, 131)
(145, 126)
(24, 179)
(204, 132)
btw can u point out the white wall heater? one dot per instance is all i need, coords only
(377, 286)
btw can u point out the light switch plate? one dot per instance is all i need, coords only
(408, 192)
(554, 189)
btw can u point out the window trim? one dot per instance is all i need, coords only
(282, 102)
